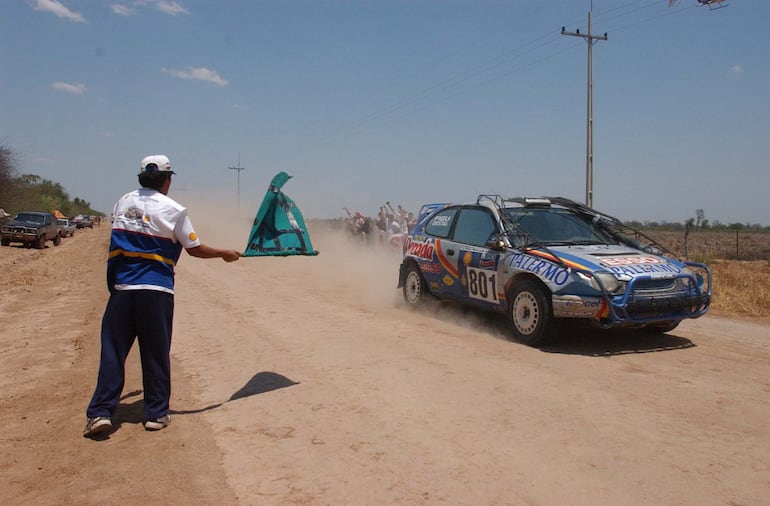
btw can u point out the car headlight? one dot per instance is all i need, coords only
(608, 280)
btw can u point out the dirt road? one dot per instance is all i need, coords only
(305, 381)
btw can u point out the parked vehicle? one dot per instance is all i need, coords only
(32, 228)
(83, 221)
(545, 261)
(68, 228)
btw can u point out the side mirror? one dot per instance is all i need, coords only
(496, 244)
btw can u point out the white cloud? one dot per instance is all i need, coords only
(170, 7)
(736, 69)
(76, 89)
(57, 8)
(43, 159)
(198, 74)
(122, 10)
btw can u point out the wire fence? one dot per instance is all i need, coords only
(707, 245)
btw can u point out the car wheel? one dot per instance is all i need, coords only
(529, 313)
(415, 290)
(5, 242)
(662, 328)
(40, 242)
(57, 240)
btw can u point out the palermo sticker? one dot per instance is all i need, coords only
(193, 236)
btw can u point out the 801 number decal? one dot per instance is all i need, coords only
(482, 284)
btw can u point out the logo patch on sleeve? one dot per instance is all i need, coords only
(193, 236)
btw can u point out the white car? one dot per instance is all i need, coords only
(68, 228)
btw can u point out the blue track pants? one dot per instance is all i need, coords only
(146, 315)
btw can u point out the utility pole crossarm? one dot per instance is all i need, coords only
(588, 36)
(591, 39)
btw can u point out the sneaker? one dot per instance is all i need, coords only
(157, 423)
(97, 425)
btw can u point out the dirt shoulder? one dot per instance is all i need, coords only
(51, 308)
(305, 380)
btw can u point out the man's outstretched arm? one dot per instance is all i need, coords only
(204, 251)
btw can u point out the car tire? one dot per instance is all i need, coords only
(40, 242)
(529, 313)
(416, 292)
(5, 242)
(57, 240)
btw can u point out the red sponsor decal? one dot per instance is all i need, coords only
(430, 267)
(420, 249)
(630, 260)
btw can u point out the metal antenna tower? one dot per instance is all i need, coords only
(591, 40)
(238, 168)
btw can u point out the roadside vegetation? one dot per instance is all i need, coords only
(739, 259)
(28, 192)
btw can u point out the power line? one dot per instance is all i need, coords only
(429, 96)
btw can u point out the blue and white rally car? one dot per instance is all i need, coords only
(546, 261)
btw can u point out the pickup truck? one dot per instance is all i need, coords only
(32, 228)
(83, 221)
(68, 227)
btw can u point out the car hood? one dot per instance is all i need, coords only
(21, 223)
(624, 261)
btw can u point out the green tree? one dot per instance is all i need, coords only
(7, 178)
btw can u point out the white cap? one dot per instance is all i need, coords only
(155, 163)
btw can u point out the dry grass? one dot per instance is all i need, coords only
(741, 288)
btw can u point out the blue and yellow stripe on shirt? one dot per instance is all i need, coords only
(136, 258)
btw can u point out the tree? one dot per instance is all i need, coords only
(31, 192)
(7, 177)
(699, 217)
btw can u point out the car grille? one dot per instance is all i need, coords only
(655, 285)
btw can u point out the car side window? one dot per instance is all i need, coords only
(441, 224)
(474, 226)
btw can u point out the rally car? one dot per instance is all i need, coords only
(546, 261)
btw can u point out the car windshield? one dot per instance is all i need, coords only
(30, 218)
(554, 226)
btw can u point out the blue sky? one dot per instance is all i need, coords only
(407, 101)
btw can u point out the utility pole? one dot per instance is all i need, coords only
(238, 185)
(591, 40)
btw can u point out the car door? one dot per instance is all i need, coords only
(476, 261)
(438, 268)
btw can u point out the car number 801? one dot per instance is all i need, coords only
(482, 284)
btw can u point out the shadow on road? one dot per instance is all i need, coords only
(606, 343)
(262, 382)
(573, 339)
